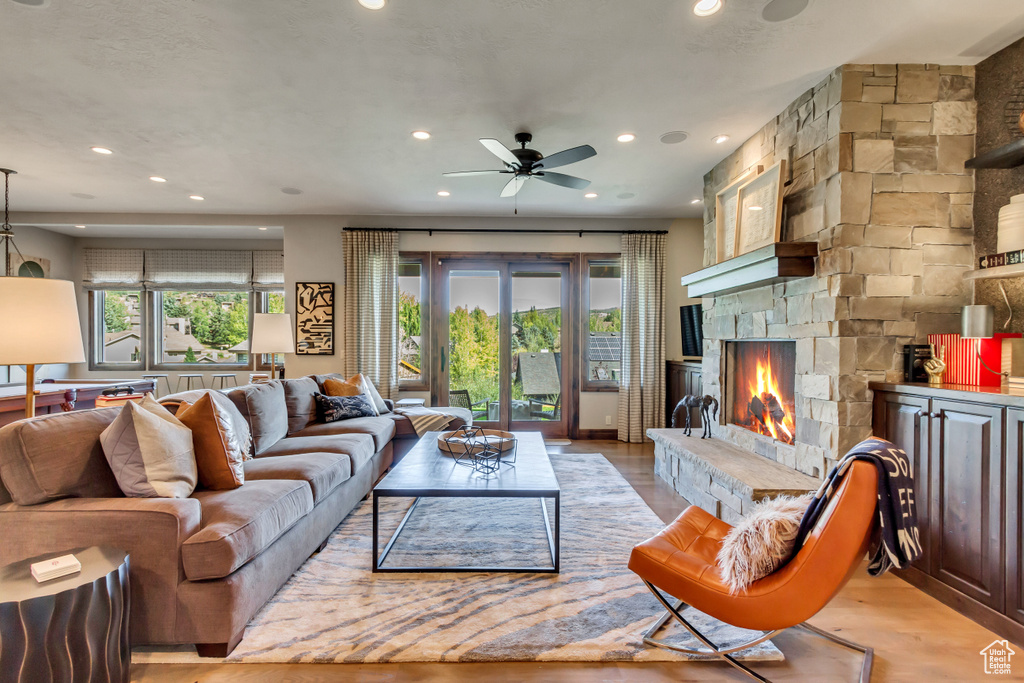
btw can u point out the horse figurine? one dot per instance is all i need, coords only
(705, 404)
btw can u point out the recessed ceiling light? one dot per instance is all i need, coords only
(101, 150)
(626, 137)
(157, 179)
(32, 3)
(696, 201)
(783, 10)
(262, 228)
(421, 135)
(372, 4)
(80, 227)
(674, 137)
(627, 195)
(719, 139)
(291, 190)
(196, 197)
(83, 195)
(757, 208)
(705, 8)
(591, 195)
(444, 193)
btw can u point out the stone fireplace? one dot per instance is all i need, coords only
(877, 182)
(760, 394)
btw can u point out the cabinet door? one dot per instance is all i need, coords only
(1014, 514)
(965, 506)
(903, 420)
(675, 389)
(694, 387)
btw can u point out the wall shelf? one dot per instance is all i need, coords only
(997, 273)
(776, 263)
(1007, 156)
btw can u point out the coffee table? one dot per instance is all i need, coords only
(426, 472)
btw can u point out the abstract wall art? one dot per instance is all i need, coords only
(314, 318)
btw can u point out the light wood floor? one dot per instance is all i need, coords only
(916, 638)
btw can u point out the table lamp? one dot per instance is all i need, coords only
(978, 322)
(40, 325)
(272, 333)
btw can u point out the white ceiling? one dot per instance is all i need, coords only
(236, 99)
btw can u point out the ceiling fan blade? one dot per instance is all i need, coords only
(501, 151)
(562, 179)
(514, 185)
(565, 157)
(469, 173)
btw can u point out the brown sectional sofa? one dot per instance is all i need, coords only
(201, 567)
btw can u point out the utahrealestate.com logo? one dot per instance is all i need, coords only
(997, 657)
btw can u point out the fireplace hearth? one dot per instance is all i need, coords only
(761, 396)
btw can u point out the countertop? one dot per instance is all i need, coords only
(1001, 396)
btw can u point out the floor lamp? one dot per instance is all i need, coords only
(40, 325)
(272, 333)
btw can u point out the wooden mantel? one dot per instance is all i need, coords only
(769, 265)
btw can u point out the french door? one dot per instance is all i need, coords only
(505, 337)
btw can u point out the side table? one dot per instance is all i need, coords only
(74, 628)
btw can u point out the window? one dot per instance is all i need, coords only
(269, 302)
(413, 285)
(602, 347)
(117, 329)
(202, 327)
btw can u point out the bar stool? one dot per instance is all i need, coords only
(189, 378)
(220, 381)
(156, 382)
(258, 377)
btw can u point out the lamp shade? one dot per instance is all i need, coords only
(272, 333)
(977, 322)
(39, 322)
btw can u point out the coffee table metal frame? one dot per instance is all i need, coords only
(543, 494)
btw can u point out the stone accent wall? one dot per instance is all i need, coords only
(876, 154)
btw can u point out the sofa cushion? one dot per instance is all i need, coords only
(359, 447)
(382, 429)
(322, 471)
(321, 380)
(174, 403)
(371, 390)
(241, 523)
(339, 387)
(150, 452)
(334, 408)
(219, 450)
(57, 456)
(263, 407)
(298, 398)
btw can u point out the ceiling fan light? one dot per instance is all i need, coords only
(705, 8)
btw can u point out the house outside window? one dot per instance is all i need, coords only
(602, 323)
(413, 286)
(117, 329)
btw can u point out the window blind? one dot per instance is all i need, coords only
(267, 270)
(112, 268)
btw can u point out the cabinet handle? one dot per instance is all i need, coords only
(935, 415)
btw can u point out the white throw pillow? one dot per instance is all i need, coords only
(759, 544)
(371, 391)
(150, 452)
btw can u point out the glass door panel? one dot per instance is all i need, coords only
(536, 345)
(474, 342)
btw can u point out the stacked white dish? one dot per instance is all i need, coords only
(1010, 232)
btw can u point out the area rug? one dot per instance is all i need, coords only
(335, 610)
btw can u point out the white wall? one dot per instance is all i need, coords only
(313, 253)
(59, 250)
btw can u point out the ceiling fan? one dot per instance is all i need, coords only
(524, 164)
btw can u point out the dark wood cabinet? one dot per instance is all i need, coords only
(967, 450)
(682, 378)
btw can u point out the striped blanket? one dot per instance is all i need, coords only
(434, 420)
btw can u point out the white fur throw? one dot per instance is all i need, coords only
(759, 544)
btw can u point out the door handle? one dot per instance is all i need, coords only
(443, 360)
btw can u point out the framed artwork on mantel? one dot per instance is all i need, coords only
(725, 216)
(759, 210)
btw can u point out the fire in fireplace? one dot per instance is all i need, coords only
(762, 378)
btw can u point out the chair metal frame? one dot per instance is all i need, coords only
(672, 611)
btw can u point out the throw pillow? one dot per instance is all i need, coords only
(220, 449)
(340, 387)
(334, 408)
(150, 452)
(372, 392)
(762, 542)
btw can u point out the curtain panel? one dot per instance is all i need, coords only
(642, 374)
(371, 307)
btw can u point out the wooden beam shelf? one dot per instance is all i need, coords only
(996, 273)
(1007, 156)
(779, 262)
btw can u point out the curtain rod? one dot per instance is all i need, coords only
(560, 231)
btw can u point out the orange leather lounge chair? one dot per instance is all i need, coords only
(681, 561)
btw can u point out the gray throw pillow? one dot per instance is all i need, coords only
(298, 397)
(334, 408)
(150, 452)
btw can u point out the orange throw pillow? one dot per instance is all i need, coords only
(218, 447)
(337, 387)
